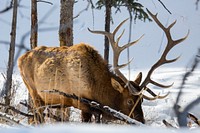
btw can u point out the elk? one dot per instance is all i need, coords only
(81, 70)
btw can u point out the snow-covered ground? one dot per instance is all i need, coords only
(155, 111)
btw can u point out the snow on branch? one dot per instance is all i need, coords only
(11, 119)
(98, 106)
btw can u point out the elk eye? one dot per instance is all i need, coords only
(130, 102)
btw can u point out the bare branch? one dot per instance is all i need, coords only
(9, 7)
(182, 115)
(98, 106)
(24, 37)
(11, 119)
(44, 1)
(83, 10)
(3, 76)
(164, 6)
(17, 45)
(167, 124)
(15, 110)
(197, 4)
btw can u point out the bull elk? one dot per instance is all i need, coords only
(80, 70)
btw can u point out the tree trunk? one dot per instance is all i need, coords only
(66, 22)
(34, 24)
(107, 28)
(33, 43)
(66, 38)
(8, 84)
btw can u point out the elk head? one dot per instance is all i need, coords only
(137, 88)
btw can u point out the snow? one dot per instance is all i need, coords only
(154, 111)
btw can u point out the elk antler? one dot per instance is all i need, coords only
(163, 59)
(116, 52)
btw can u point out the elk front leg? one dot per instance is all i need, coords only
(37, 110)
(36, 103)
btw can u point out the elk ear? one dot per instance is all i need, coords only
(138, 79)
(116, 85)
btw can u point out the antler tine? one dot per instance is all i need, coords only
(118, 27)
(161, 85)
(124, 65)
(182, 39)
(155, 97)
(119, 37)
(131, 43)
(99, 32)
(163, 59)
(116, 53)
(150, 98)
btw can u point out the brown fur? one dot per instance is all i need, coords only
(79, 70)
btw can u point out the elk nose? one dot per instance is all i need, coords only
(139, 118)
(143, 121)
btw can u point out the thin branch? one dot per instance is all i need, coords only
(44, 1)
(167, 124)
(17, 45)
(83, 10)
(182, 115)
(24, 37)
(9, 7)
(197, 4)
(22, 42)
(164, 6)
(11, 119)
(49, 114)
(4, 76)
(15, 110)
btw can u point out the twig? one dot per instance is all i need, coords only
(16, 110)
(7, 8)
(50, 115)
(3, 76)
(44, 1)
(98, 106)
(25, 103)
(197, 4)
(167, 124)
(11, 119)
(22, 42)
(17, 45)
(40, 22)
(83, 10)
(164, 6)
